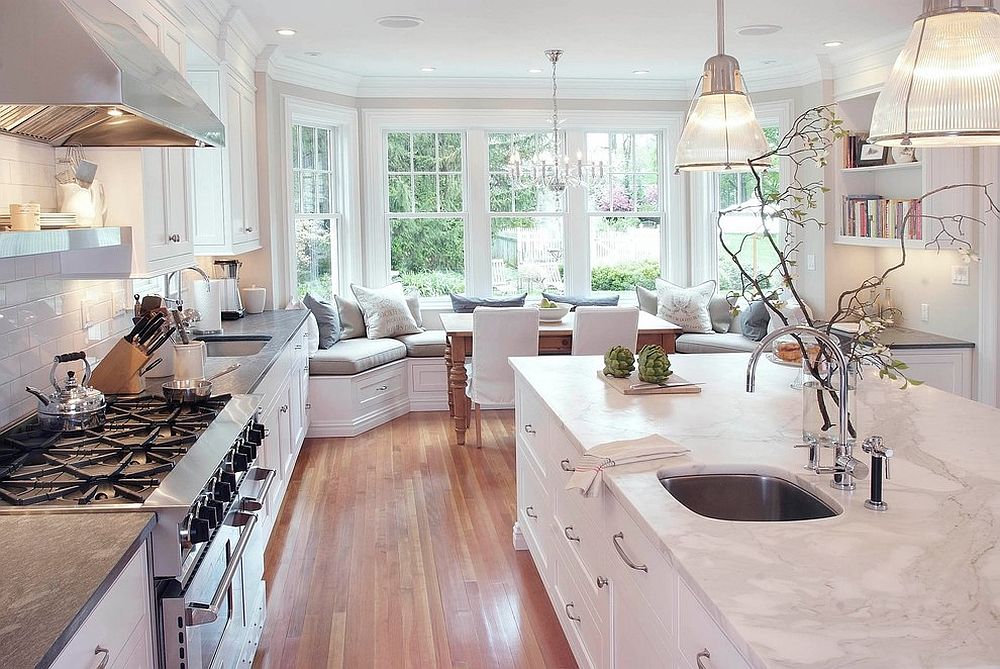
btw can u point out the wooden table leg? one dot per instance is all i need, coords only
(448, 365)
(457, 379)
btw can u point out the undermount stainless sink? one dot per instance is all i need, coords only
(746, 497)
(233, 346)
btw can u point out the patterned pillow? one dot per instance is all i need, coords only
(386, 312)
(685, 307)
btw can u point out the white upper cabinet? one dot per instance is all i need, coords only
(224, 181)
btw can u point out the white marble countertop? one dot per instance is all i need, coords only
(915, 586)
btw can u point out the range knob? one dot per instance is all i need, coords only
(237, 462)
(198, 531)
(249, 449)
(255, 433)
(210, 513)
(222, 491)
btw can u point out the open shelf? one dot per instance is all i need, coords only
(882, 168)
(875, 241)
(17, 243)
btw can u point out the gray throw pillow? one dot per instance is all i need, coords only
(327, 320)
(720, 310)
(755, 320)
(352, 321)
(647, 299)
(589, 301)
(463, 304)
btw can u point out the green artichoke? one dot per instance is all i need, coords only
(619, 362)
(654, 365)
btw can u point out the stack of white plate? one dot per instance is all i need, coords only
(49, 221)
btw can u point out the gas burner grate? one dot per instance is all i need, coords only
(120, 463)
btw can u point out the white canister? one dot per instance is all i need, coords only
(206, 297)
(189, 360)
(254, 298)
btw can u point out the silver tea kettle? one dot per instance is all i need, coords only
(72, 406)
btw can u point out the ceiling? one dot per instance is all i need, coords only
(602, 40)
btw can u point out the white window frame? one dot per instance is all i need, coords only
(343, 121)
(476, 124)
(703, 201)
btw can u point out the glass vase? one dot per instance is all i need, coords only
(821, 403)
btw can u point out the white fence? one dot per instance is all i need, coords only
(607, 247)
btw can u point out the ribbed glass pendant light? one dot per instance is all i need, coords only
(722, 131)
(944, 89)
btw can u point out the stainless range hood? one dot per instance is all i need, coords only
(86, 74)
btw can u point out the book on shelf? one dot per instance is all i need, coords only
(877, 217)
(852, 146)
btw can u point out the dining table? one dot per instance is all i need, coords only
(554, 338)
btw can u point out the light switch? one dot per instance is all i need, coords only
(925, 312)
(811, 262)
(960, 275)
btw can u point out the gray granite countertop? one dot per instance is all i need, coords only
(900, 338)
(55, 569)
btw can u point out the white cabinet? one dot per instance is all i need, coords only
(224, 181)
(948, 369)
(620, 602)
(119, 630)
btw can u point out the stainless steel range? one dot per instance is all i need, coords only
(194, 466)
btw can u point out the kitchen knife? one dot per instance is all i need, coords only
(150, 331)
(643, 386)
(181, 330)
(139, 326)
(151, 303)
(147, 368)
(159, 342)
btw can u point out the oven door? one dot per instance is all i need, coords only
(202, 624)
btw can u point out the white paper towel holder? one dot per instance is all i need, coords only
(208, 305)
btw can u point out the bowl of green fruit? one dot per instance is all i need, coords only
(551, 312)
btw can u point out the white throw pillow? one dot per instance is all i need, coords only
(685, 307)
(312, 334)
(386, 312)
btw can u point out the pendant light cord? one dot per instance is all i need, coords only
(555, 113)
(720, 18)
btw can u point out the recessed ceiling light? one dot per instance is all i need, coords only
(428, 69)
(313, 54)
(399, 21)
(535, 70)
(640, 71)
(833, 43)
(758, 29)
(285, 32)
(769, 61)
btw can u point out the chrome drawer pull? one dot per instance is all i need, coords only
(284, 408)
(174, 238)
(601, 581)
(704, 660)
(382, 388)
(529, 429)
(625, 558)
(308, 406)
(569, 609)
(567, 530)
(104, 660)
(529, 511)
(565, 465)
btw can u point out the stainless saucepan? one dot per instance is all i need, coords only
(192, 391)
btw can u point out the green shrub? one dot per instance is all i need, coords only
(434, 284)
(625, 276)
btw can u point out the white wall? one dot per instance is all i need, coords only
(43, 314)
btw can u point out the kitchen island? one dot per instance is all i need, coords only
(915, 586)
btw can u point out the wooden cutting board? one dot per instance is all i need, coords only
(624, 386)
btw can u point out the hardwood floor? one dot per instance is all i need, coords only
(393, 549)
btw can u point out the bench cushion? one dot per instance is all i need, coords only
(714, 343)
(426, 344)
(351, 356)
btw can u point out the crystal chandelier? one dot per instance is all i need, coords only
(554, 171)
(721, 131)
(944, 88)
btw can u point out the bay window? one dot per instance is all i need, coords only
(315, 210)
(425, 207)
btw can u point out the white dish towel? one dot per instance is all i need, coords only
(590, 466)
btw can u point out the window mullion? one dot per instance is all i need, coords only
(477, 206)
(576, 226)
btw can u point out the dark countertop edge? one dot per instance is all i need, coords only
(57, 646)
(949, 345)
(274, 358)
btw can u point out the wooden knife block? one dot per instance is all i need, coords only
(118, 372)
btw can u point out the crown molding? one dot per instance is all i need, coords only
(310, 75)
(865, 68)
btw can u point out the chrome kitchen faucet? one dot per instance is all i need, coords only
(846, 467)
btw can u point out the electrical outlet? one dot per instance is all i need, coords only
(811, 262)
(925, 312)
(960, 275)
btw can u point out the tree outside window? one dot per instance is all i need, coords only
(735, 191)
(315, 211)
(625, 211)
(426, 210)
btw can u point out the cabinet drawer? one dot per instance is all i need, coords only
(562, 454)
(381, 387)
(582, 540)
(635, 558)
(534, 516)
(530, 416)
(699, 633)
(122, 613)
(584, 630)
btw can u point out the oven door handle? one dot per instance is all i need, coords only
(257, 503)
(197, 613)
